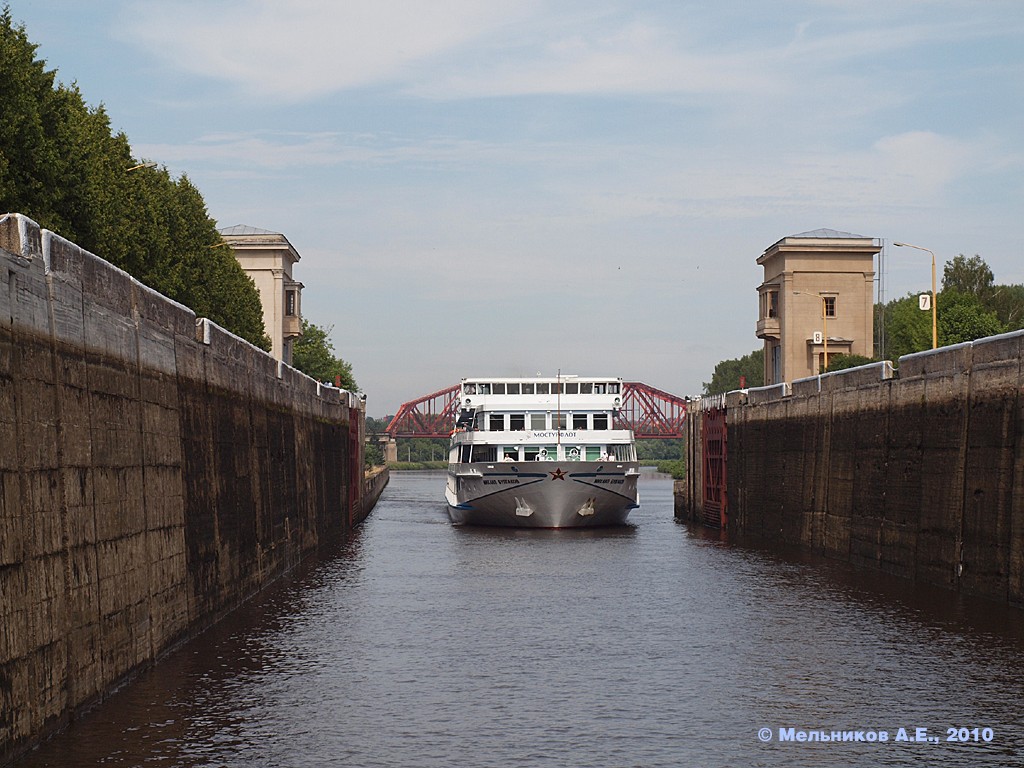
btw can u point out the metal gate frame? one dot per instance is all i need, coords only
(715, 444)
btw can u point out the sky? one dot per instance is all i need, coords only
(531, 186)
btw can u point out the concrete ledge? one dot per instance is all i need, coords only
(861, 376)
(756, 395)
(20, 236)
(944, 360)
(805, 387)
(850, 378)
(997, 349)
(735, 398)
(164, 313)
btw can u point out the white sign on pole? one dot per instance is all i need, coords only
(924, 301)
(818, 338)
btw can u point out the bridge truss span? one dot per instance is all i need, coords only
(651, 413)
(429, 416)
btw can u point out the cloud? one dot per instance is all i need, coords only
(922, 163)
(464, 49)
(558, 186)
(305, 48)
(625, 57)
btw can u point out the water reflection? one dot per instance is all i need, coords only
(655, 644)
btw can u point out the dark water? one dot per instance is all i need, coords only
(420, 644)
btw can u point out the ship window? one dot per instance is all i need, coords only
(496, 422)
(484, 389)
(510, 453)
(586, 388)
(465, 451)
(571, 388)
(613, 388)
(579, 421)
(543, 389)
(517, 422)
(478, 420)
(621, 453)
(599, 388)
(593, 452)
(572, 453)
(512, 389)
(539, 453)
(485, 453)
(561, 418)
(538, 421)
(499, 388)
(600, 421)
(528, 389)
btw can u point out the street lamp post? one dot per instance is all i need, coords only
(935, 315)
(140, 165)
(824, 327)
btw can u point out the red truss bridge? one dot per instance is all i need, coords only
(649, 412)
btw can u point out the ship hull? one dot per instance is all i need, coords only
(542, 494)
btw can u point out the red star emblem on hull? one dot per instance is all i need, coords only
(558, 474)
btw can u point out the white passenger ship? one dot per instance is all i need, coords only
(541, 453)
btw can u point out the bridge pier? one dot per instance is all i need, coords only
(390, 450)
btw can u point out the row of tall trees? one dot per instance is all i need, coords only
(63, 166)
(969, 306)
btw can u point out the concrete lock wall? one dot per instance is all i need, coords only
(920, 475)
(155, 471)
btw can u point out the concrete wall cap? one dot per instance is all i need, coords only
(768, 393)
(937, 351)
(998, 337)
(883, 366)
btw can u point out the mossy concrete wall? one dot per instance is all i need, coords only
(155, 471)
(919, 474)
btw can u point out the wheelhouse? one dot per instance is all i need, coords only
(564, 418)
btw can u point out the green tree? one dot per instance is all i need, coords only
(907, 328)
(313, 354)
(1007, 302)
(968, 275)
(61, 165)
(420, 449)
(652, 450)
(842, 362)
(373, 456)
(376, 425)
(727, 373)
(963, 317)
(28, 159)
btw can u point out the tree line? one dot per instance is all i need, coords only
(63, 166)
(969, 306)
